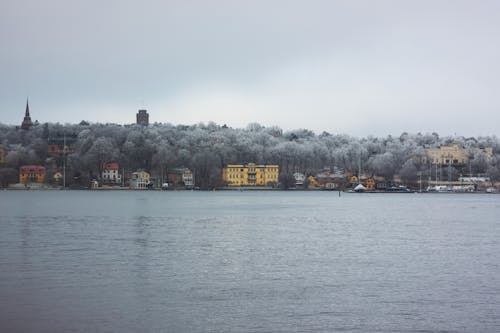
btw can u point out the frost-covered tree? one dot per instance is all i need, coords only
(384, 165)
(207, 147)
(408, 172)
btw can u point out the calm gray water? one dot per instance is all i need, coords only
(74, 261)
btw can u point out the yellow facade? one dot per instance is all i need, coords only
(445, 155)
(250, 174)
(454, 154)
(140, 179)
(313, 183)
(141, 175)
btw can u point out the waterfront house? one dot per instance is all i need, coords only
(31, 174)
(140, 180)
(111, 173)
(370, 184)
(299, 178)
(250, 174)
(326, 180)
(180, 178)
(331, 186)
(58, 177)
(330, 180)
(313, 183)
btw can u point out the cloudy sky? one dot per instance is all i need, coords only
(355, 67)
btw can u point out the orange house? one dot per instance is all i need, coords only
(31, 174)
(370, 184)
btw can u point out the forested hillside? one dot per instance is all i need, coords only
(206, 148)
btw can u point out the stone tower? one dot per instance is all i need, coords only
(142, 118)
(27, 123)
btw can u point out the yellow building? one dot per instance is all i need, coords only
(313, 183)
(2, 154)
(140, 179)
(454, 154)
(250, 174)
(445, 155)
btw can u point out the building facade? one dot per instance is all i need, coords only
(180, 177)
(444, 155)
(111, 173)
(61, 145)
(299, 178)
(142, 118)
(250, 174)
(58, 177)
(31, 174)
(455, 154)
(140, 180)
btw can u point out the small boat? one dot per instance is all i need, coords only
(359, 188)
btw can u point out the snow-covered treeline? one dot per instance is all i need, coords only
(206, 148)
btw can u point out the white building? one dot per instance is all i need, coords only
(299, 178)
(111, 174)
(187, 178)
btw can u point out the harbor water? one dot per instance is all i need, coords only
(251, 261)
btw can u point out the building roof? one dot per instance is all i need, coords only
(251, 164)
(32, 168)
(111, 166)
(178, 170)
(140, 172)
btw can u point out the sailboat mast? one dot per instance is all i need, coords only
(64, 161)
(359, 169)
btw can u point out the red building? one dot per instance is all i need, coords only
(31, 174)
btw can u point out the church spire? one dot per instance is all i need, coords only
(27, 113)
(27, 123)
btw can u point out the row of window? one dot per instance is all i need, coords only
(239, 175)
(275, 169)
(251, 178)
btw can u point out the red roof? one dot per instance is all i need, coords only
(31, 168)
(111, 166)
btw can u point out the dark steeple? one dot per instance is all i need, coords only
(27, 123)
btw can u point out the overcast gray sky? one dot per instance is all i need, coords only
(355, 67)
